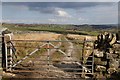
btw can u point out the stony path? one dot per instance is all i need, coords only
(70, 52)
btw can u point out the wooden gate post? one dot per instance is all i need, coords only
(8, 54)
(4, 50)
(1, 50)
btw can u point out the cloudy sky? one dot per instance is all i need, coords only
(60, 0)
(60, 12)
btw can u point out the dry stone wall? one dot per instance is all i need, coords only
(107, 54)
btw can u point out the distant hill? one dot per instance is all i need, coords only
(63, 26)
(97, 26)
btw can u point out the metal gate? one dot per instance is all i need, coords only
(67, 55)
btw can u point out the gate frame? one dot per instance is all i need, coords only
(48, 57)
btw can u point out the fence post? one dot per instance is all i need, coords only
(83, 62)
(48, 56)
(8, 52)
(93, 59)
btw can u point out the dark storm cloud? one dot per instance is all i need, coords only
(51, 7)
(59, 4)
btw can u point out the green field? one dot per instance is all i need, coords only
(60, 28)
(64, 29)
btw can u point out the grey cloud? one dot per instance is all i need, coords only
(59, 0)
(71, 5)
(53, 7)
(46, 10)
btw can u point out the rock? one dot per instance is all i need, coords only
(116, 46)
(30, 63)
(99, 76)
(114, 64)
(109, 56)
(111, 70)
(100, 68)
(115, 55)
(119, 56)
(98, 53)
(0, 77)
(111, 50)
(104, 63)
(99, 62)
(117, 52)
(8, 74)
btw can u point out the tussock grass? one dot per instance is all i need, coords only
(37, 36)
(81, 37)
(24, 48)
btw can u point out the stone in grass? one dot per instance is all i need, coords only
(98, 53)
(100, 68)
